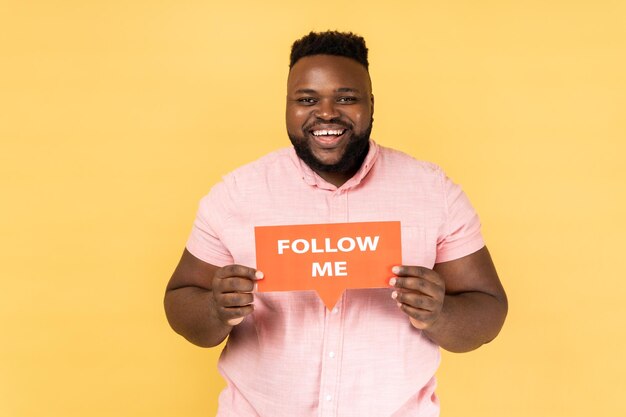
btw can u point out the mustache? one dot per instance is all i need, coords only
(336, 121)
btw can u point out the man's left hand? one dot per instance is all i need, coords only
(420, 293)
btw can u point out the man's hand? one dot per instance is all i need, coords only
(420, 293)
(233, 286)
(203, 301)
(459, 304)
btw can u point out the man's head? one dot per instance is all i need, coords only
(330, 103)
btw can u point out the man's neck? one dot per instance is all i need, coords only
(337, 178)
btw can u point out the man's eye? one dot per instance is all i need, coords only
(307, 100)
(347, 99)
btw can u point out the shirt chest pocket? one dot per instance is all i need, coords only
(419, 246)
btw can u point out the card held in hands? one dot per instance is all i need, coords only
(328, 258)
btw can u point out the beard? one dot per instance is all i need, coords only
(350, 161)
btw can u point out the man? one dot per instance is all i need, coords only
(376, 352)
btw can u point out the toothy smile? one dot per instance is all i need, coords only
(329, 132)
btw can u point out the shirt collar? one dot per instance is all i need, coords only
(312, 178)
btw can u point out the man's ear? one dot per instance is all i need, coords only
(372, 100)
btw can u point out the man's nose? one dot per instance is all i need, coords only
(327, 110)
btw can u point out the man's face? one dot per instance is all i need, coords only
(329, 112)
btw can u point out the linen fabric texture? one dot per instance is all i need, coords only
(294, 357)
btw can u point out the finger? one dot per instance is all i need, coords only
(420, 285)
(234, 284)
(239, 271)
(416, 271)
(235, 300)
(419, 318)
(232, 314)
(413, 283)
(416, 323)
(416, 300)
(234, 322)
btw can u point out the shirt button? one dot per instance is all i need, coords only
(331, 354)
(335, 310)
(329, 397)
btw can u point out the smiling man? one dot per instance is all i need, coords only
(329, 114)
(376, 352)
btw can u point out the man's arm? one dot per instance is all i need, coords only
(459, 305)
(203, 302)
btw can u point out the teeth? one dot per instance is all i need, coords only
(327, 132)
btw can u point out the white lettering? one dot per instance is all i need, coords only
(326, 269)
(305, 246)
(317, 269)
(343, 248)
(282, 245)
(367, 241)
(328, 248)
(341, 269)
(344, 244)
(314, 247)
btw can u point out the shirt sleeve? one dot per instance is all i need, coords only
(204, 242)
(461, 234)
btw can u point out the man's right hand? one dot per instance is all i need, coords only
(233, 287)
(203, 301)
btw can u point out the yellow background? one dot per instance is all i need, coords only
(117, 116)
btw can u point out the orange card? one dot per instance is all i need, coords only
(327, 258)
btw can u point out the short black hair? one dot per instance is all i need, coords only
(330, 42)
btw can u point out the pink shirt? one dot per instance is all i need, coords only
(293, 357)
